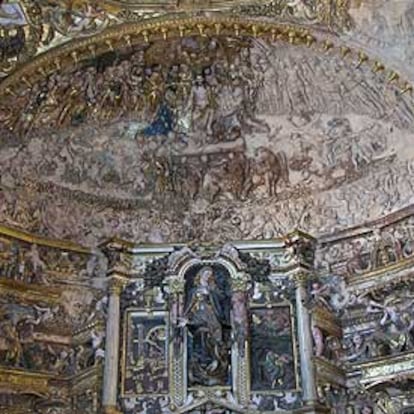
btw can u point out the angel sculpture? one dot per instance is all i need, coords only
(396, 324)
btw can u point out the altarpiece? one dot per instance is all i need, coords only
(210, 329)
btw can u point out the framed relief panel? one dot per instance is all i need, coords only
(145, 359)
(272, 349)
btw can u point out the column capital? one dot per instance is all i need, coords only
(301, 278)
(302, 248)
(176, 284)
(116, 285)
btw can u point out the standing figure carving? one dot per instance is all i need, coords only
(207, 317)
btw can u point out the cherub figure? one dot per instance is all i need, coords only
(320, 294)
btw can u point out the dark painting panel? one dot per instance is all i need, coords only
(146, 365)
(272, 350)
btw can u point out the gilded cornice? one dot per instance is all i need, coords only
(25, 382)
(41, 384)
(42, 241)
(29, 293)
(375, 279)
(386, 369)
(367, 228)
(173, 5)
(117, 243)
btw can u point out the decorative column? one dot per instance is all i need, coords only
(240, 348)
(305, 341)
(178, 344)
(110, 386)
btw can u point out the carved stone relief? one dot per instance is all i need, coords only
(51, 323)
(31, 27)
(294, 138)
(385, 28)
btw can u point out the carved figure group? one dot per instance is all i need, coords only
(19, 348)
(174, 99)
(396, 330)
(22, 264)
(229, 176)
(393, 332)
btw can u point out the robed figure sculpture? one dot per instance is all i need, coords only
(207, 317)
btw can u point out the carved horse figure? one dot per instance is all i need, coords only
(226, 177)
(266, 169)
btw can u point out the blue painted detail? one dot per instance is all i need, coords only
(162, 124)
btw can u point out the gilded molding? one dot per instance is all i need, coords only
(31, 293)
(327, 371)
(42, 241)
(20, 381)
(387, 368)
(126, 35)
(42, 27)
(381, 276)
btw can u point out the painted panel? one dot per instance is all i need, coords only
(272, 349)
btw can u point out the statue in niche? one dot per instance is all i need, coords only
(207, 317)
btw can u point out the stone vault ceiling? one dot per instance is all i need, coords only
(166, 121)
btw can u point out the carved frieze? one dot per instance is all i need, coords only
(51, 321)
